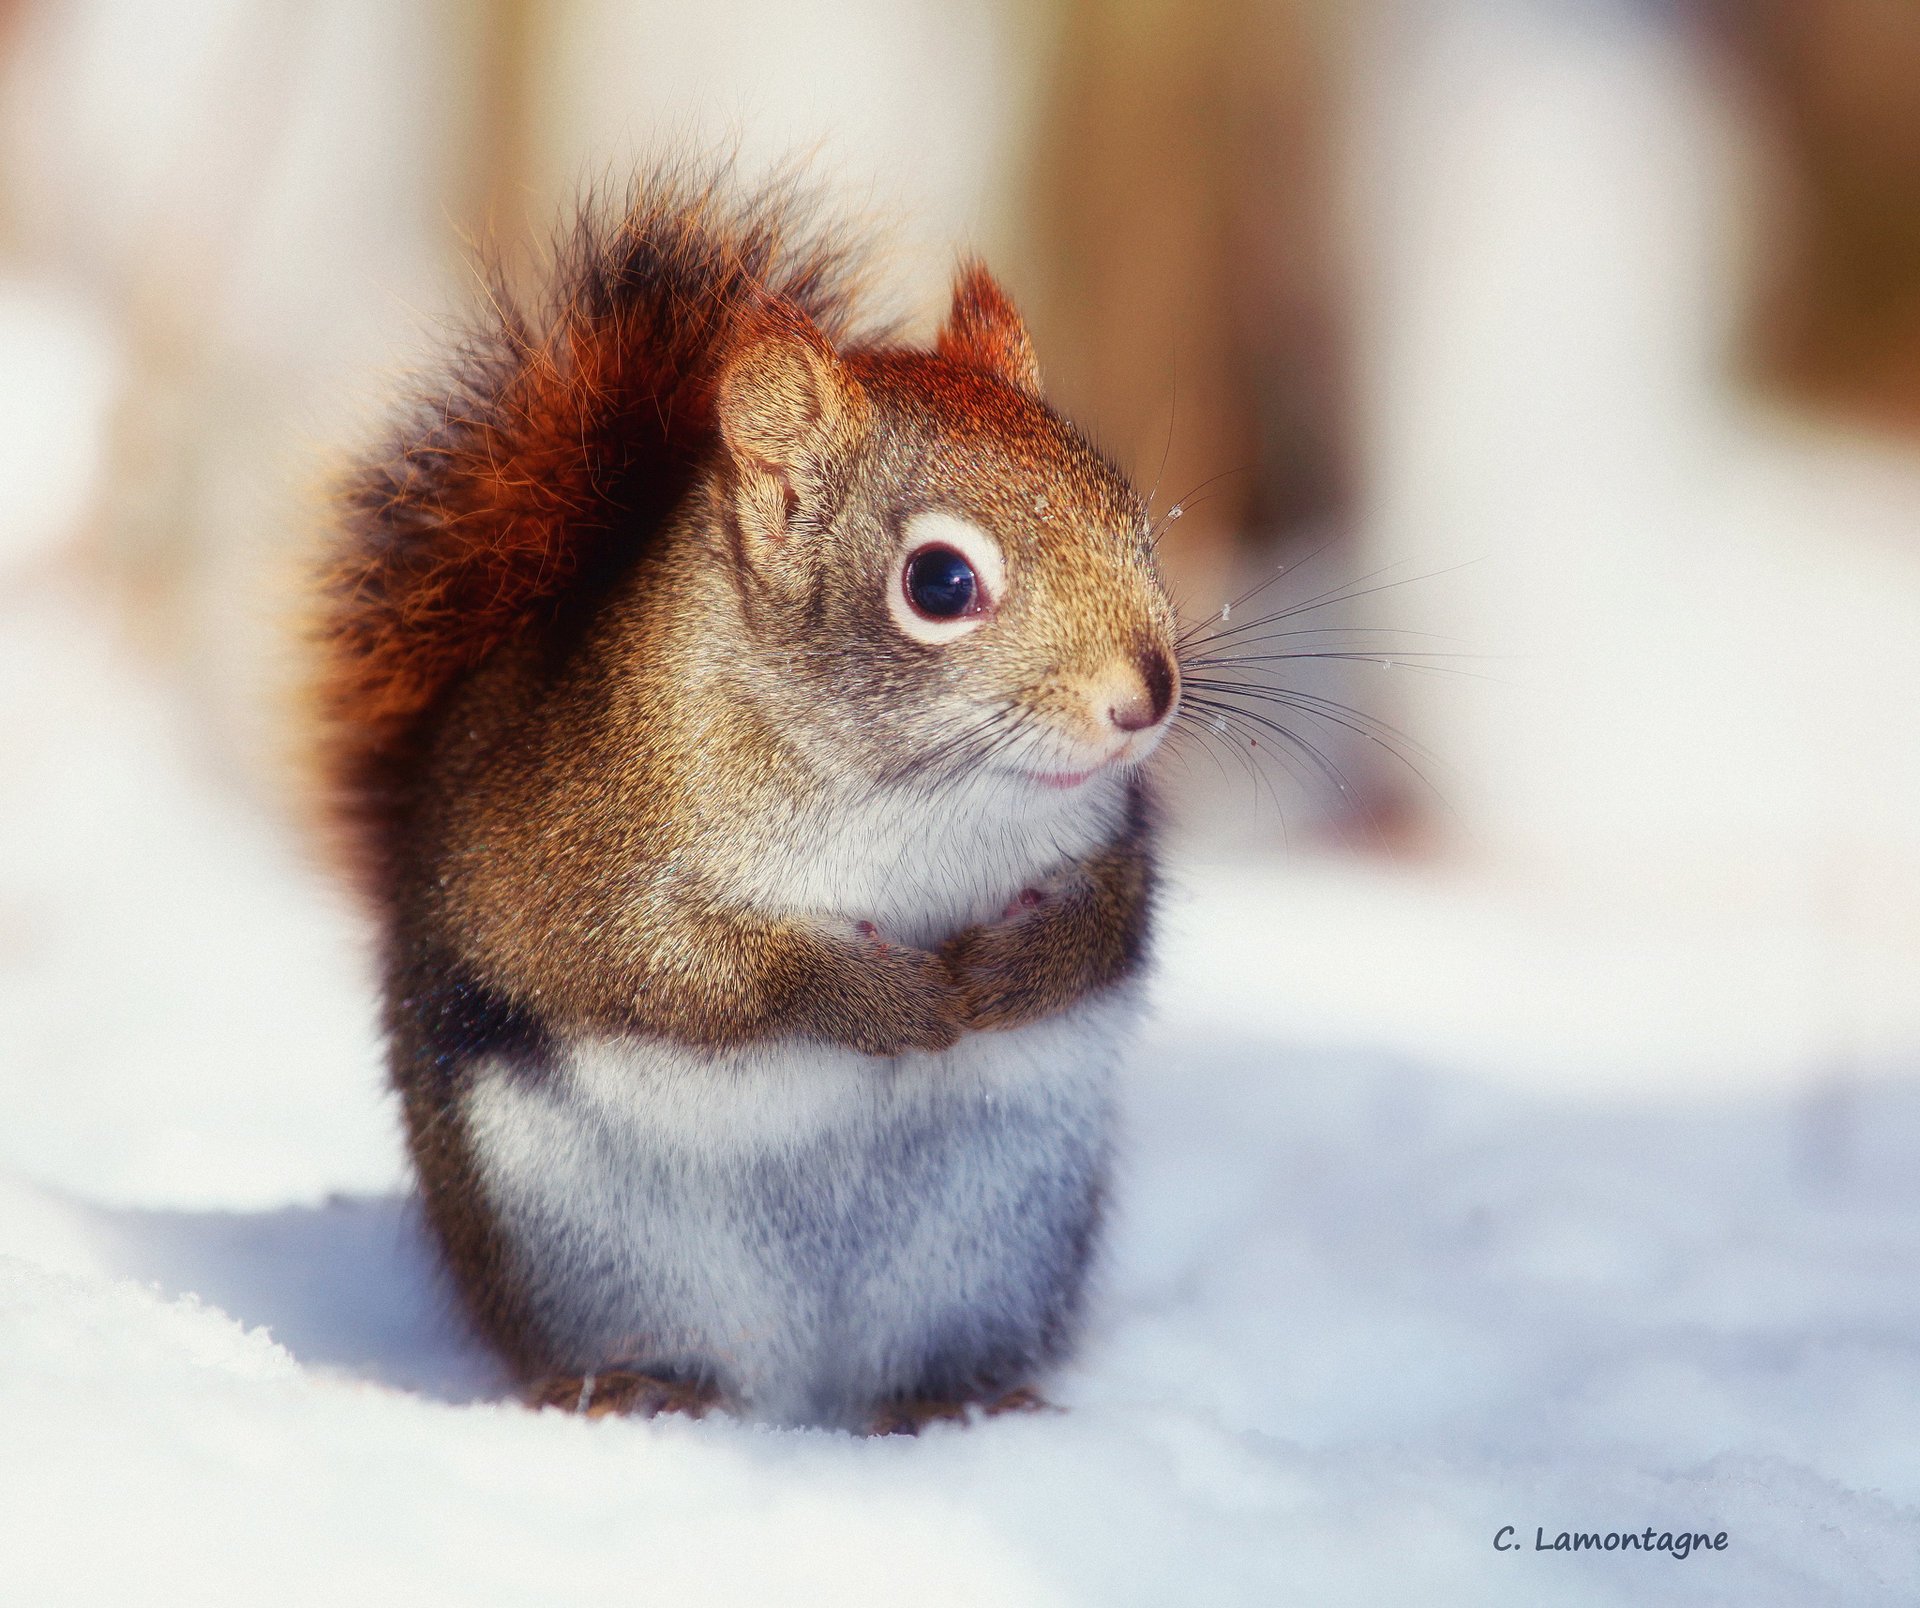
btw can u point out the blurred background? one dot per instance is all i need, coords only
(1559, 358)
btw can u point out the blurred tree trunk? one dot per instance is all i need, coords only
(498, 204)
(1837, 90)
(1186, 276)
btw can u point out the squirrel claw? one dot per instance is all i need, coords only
(1027, 899)
(623, 1392)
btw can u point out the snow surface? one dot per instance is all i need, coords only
(1361, 1310)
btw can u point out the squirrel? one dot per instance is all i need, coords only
(736, 721)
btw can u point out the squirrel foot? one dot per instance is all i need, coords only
(623, 1392)
(911, 1416)
(1025, 1399)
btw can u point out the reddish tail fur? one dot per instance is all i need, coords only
(547, 459)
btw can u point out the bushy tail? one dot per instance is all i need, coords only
(540, 464)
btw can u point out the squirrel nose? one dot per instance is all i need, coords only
(1147, 704)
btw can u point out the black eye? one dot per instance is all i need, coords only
(940, 583)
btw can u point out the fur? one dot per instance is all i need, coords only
(755, 966)
(812, 1232)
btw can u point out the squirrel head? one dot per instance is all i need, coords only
(938, 573)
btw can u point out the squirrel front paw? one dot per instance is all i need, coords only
(892, 999)
(1013, 971)
(990, 966)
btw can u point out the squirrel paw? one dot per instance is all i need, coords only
(911, 1416)
(1024, 1399)
(1062, 884)
(900, 999)
(622, 1392)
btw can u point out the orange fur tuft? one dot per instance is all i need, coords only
(983, 331)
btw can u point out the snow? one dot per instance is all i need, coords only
(1365, 1306)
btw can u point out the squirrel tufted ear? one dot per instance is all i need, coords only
(786, 403)
(983, 330)
(789, 412)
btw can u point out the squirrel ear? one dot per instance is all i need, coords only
(983, 330)
(788, 409)
(789, 413)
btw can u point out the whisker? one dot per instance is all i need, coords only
(1359, 630)
(1166, 449)
(1413, 659)
(1192, 500)
(1348, 592)
(1280, 573)
(1226, 715)
(932, 765)
(1362, 724)
(1233, 714)
(1204, 732)
(1382, 734)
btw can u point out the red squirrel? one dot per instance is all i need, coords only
(737, 724)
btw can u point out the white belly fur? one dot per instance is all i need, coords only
(815, 1229)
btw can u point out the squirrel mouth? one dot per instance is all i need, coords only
(1063, 781)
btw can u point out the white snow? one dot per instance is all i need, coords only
(1364, 1307)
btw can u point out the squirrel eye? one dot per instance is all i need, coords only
(947, 578)
(940, 583)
